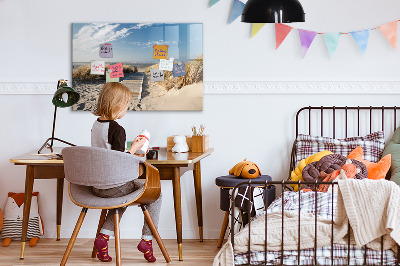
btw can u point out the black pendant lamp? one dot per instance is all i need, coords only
(273, 11)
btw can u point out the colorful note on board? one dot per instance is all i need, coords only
(106, 50)
(179, 70)
(117, 71)
(160, 51)
(166, 64)
(110, 79)
(157, 75)
(97, 67)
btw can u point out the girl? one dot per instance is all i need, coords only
(113, 103)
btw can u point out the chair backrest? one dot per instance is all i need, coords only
(92, 166)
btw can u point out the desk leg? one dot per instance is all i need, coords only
(60, 190)
(199, 204)
(176, 182)
(27, 206)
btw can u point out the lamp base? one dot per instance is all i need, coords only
(50, 146)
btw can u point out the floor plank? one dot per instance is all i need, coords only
(50, 252)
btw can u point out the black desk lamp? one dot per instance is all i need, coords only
(64, 97)
(273, 11)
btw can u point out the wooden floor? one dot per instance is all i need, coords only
(50, 252)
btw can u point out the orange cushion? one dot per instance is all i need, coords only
(375, 170)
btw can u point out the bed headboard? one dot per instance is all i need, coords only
(344, 121)
(345, 117)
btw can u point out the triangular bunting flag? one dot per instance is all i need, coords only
(237, 10)
(213, 2)
(306, 39)
(256, 28)
(361, 38)
(332, 41)
(281, 31)
(390, 32)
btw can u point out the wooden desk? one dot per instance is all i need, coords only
(171, 167)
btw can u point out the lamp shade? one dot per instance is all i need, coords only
(273, 11)
(65, 96)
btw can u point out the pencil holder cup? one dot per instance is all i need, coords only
(200, 143)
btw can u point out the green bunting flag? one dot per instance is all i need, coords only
(332, 41)
(213, 2)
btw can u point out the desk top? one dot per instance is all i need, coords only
(164, 157)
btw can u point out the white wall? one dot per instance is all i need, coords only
(35, 40)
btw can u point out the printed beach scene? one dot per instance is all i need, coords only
(162, 64)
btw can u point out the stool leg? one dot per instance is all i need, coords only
(223, 229)
(101, 222)
(117, 239)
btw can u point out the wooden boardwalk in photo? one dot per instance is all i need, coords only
(135, 84)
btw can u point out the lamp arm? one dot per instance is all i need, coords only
(54, 126)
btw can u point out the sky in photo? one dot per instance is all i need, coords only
(133, 42)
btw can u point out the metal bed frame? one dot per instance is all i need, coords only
(283, 184)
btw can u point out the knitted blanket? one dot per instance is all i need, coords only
(371, 207)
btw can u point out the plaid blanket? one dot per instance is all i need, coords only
(323, 205)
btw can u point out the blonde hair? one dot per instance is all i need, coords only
(113, 97)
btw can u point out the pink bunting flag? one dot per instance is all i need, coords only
(389, 30)
(306, 39)
(281, 31)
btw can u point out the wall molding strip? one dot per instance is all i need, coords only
(243, 87)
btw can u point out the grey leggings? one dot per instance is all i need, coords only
(154, 208)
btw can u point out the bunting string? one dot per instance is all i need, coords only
(361, 37)
(343, 33)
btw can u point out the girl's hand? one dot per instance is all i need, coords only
(137, 144)
(142, 155)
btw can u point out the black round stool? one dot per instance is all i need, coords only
(228, 182)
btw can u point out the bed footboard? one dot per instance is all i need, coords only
(311, 259)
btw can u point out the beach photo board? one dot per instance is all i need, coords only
(160, 63)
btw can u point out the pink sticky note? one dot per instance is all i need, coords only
(117, 70)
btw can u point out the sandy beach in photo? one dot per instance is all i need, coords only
(154, 96)
(172, 94)
(188, 98)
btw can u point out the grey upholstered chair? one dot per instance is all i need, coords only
(85, 167)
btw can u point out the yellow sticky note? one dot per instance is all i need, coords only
(160, 51)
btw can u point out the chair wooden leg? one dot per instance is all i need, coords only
(154, 230)
(73, 237)
(117, 238)
(101, 222)
(223, 229)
